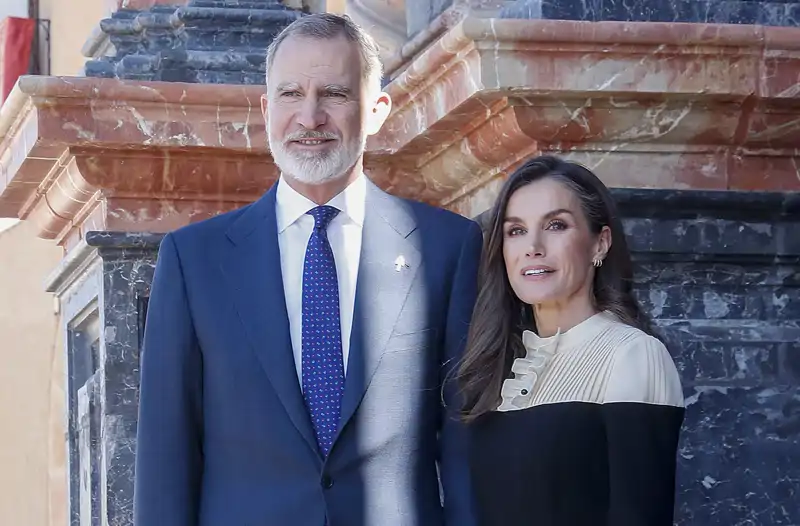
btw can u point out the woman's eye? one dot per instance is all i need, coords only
(515, 231)
(556, 224)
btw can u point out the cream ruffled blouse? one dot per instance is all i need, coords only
(599, 360)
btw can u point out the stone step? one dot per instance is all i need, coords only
(207, 41)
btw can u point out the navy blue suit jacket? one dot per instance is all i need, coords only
(224, 437)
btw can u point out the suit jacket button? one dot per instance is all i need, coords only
(327, 482)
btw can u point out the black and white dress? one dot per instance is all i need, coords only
(586, 433)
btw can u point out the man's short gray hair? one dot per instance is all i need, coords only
(327, 26)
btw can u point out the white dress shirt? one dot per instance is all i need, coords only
(344, 234)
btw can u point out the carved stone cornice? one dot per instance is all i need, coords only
(82, 153)
(645, 104)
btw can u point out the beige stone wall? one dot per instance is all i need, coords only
(71, 23)
(33, 478)
(31, 387)
(57, 489)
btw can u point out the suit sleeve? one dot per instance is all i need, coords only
(643, 415)
(169, 443)
(454, 467)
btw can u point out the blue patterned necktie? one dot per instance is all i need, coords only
(322, 362)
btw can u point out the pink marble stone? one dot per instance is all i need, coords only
(643, 104)
(76, 150)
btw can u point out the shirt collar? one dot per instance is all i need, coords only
(291, 205)
(577, 335)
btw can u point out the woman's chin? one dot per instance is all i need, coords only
(538, 296)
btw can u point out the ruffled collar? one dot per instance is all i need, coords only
(517, 392)
(570, 338)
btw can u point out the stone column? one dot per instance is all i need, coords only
(116, 170)
(199, 41)
(103, 287)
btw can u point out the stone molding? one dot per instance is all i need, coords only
(84, 154)
(646, 105)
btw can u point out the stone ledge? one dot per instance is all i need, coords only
(120, 155)
(754, 207)
(738, 227)
(124, 245)
(206, 42)
(123, 240)
(644, 104)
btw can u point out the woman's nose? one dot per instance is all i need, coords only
(534, 249)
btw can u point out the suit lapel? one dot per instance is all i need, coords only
(252, 269)
(389, 262)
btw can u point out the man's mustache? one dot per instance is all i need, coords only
(309, 134)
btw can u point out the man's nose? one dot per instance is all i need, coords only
(311, 115)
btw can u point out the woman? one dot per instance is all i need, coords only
(574, 405)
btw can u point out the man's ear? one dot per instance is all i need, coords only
(378, 113)
(264, 106)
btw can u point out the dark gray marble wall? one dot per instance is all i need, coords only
(765, 12)
(104, 288)
(128, 261)
(720, 271)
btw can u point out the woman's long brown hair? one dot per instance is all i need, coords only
(495, 335)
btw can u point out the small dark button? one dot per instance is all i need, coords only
(327, 482)
(524, 392)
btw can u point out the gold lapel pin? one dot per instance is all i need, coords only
(400, 264)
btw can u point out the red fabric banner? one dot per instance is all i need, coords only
(16, 39)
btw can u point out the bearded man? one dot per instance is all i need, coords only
(296, 349)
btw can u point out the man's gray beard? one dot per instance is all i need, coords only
(316, 168)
